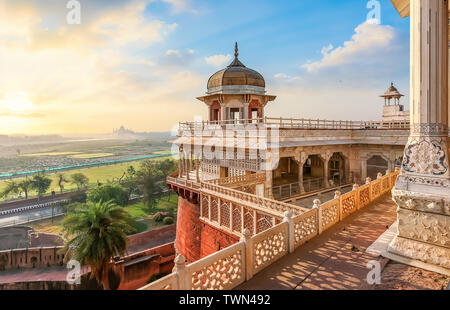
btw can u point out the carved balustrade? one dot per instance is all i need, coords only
(329, 214)
(260, 247)
(239, 180)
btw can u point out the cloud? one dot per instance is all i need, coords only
(218, 61)
(366, 44)
(181, 6)
(345, 83)
(72, 74)
(285, 77)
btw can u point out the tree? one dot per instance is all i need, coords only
(96, 234)
(167, 166)
(130, 182)
(25, 186)
(109, 192)
(11, 188)
(41, 183)
(149, 178)
(80, 180)
(61, 180)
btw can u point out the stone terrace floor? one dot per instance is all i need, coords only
(337, 259)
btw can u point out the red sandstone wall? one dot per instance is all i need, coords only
(213, 240)
(197, 239)
(31, 258)
(188, 230)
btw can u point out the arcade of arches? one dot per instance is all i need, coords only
(311, 172)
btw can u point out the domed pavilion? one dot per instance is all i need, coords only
(236, 94)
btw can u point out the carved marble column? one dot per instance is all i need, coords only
(301, 159)
(245, 116)
(326, 169)
(422, 190)
(268, 169)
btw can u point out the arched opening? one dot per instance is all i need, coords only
(376, 164)
(285, 179)
(313, 173)
(336, 170)
(34, 261)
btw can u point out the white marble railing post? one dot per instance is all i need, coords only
(247, 239)
(291, 231)
(316, 205)
(337, 195)
(181, 274)
(356, 189)
(422, 190)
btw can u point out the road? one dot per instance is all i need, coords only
(28, 216)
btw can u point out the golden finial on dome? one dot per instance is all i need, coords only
(236, 50)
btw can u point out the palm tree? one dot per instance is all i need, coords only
(97, 233)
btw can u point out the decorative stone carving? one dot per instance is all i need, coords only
(430, 129)
(424, 252)
(421, 202)
(222, 274)
(425, 227)
(305, 226)
(426, 156)
(329, 213)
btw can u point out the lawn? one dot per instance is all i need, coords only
(144, 215)
(91, 156)
(49, 154)
(101, 174)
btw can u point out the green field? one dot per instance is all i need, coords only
(90, 156)
(101, 174)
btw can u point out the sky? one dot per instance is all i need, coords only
(142, 63)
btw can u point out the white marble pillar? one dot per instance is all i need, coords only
(422, 191)
(301, 159)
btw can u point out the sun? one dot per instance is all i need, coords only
(16, 102)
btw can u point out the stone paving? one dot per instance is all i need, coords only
(337, 259)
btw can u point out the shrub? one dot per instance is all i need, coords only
(168, 220)
(78, 197)
(158, 217)
(109, 192)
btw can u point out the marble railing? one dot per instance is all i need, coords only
(184, 182)
(297, 123)
(251, 200)
(238, 263)
(254, 178)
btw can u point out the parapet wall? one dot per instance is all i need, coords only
(195, 238)
(31, 258)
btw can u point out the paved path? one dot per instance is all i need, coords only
(28, 216)
(334, 260)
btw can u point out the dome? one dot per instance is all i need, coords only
(236, 74)
(392, 90)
